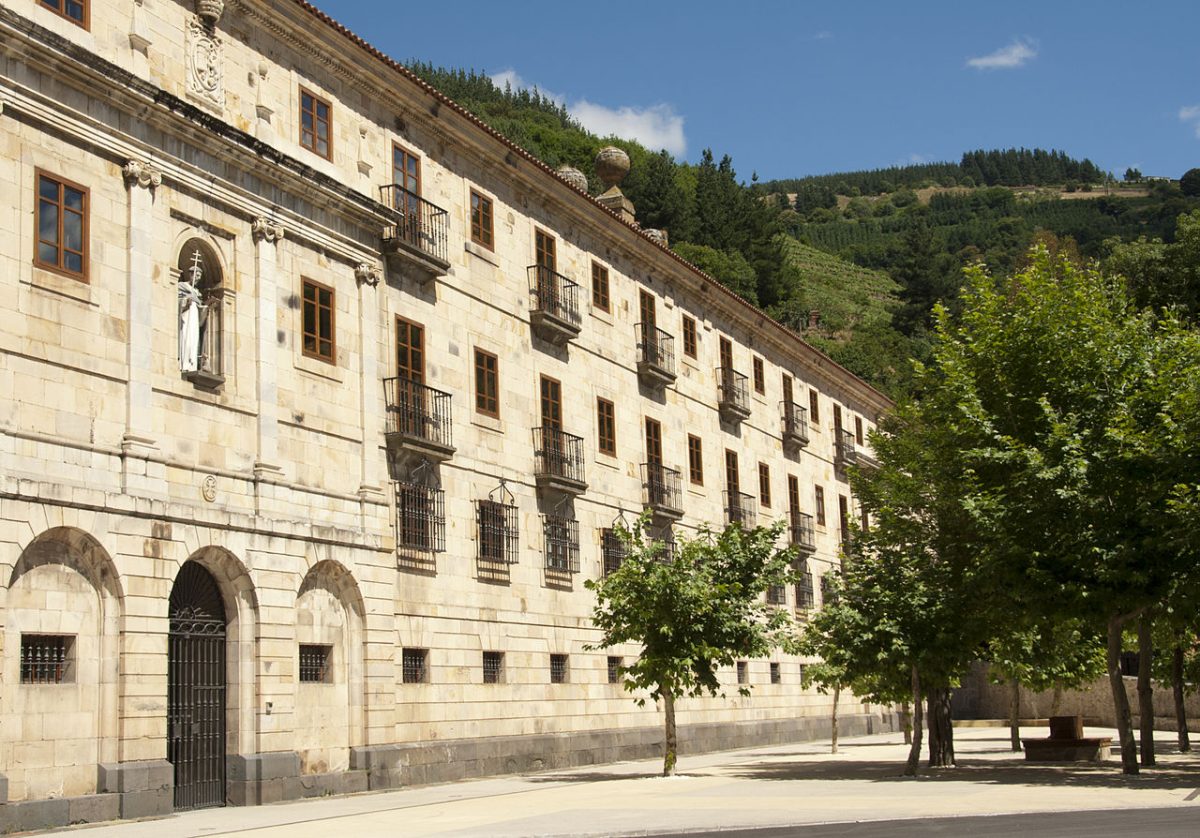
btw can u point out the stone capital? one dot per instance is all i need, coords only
(264, 229)
(367, 274)
(141, 174)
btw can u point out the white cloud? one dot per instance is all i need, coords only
(915, 159)
(1016, 54)
(823, 35)
(1191, 113)
(656, 126)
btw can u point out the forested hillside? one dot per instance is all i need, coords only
(859, 248)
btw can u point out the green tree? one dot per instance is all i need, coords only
(1189, 184)
(692, 611)
(1133, 175)
(1162, 275)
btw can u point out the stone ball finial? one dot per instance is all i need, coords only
(573, 176)
(210, 11)
(612, 164)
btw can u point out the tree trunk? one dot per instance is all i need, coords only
(907, 721)
(1121, 710)
(1145, 688)
(1181, 726)
(1056, 704)
(837, 691)
(941, 730)
(1014, 715)
(917, 723)
(670, 744)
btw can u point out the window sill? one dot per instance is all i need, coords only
(608, 461)
(601, 315)
(321, 369)
(61, 284)
(488, 423)
(482, 252)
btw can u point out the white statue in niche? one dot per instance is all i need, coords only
(193, 316)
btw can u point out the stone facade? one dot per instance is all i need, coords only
(268, 461)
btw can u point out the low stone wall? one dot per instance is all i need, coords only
(980, 699)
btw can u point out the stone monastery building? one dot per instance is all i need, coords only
(319, 401)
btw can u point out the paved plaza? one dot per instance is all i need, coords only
(786, 785)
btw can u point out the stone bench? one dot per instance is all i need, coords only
(1067, 743)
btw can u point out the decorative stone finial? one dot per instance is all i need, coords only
(612, 164)
(574, 177)
(659, 236)
(141, 174)
(210, 11)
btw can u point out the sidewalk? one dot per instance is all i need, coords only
(776, 786)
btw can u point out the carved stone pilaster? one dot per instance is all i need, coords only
(367, 274)
(264, 229)
(139, 29)
(141, 174)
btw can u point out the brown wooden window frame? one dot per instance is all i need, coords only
(695, 460)
(403, 154)
(545, 249)
(305, 303)
(858, 430)
(760, 376)
(814, 406)
(733, 477)
(601, 291)
(483, 231)
(60, 203)
(487, 384)
(764, 485)
(317, 101)
(62, 9)
(690, 339)
(606, 426)
(819, 504)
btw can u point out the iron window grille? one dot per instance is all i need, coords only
(776, 674)
(416, 223)
(559, 669)
(801, 530)
(314, 663)
(420, 518)
(46, 658)
(493, 667)
(612, 550)
(614, 670)
(413, 663)
(743, 672)
(846, 454)
(661, 487)
(497, 524)
(777, 595)
(805, 599)
(666, 538)
(561, 537)
(828, 597)
(732, 389)
(795, 422)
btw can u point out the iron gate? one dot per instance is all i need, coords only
(196, 689)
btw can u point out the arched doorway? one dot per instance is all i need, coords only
(196, 689)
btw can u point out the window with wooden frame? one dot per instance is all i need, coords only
(317, 302)
(732, 479)
(600, 296)
(814, 407)
(76, 11)
(764, 485)
(793, 494)
(487, 384)
(695, 460)
(858, 430)
(837, 424)
(406, 173)
(606, 427)
(61, 236)
(654, 449)
(689, 336)
(316, 124)
(819, 502)
(760, 378)
(546, 250)
(743, 672)
(482, 230)
(410, 351)
(843, 518)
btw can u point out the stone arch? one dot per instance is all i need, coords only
(64, 584)
(241, 644)
(330, 718)
(204, 309)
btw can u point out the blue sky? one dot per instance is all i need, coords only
(795, 88)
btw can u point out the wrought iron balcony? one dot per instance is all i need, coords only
(733, 394)
(558, 460)
(845, 453)
(739, 509)
(661, 490)
(418, 419)
(795, 424)
(656, 355)
(420, 518)
(561, 538)
(553, 305)
(417, 232)
(803, 536)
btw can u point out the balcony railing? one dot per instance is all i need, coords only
(418, 227)
(845, 453)
(561, 538)
(733, 394)
(553, 305)
(739, 509)
(803, 536)
(558, 460)
(805, 596)
(418, 418)
(661, 490)
(666, 537)
(656, 355)
(795, 424)
(420, 518)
